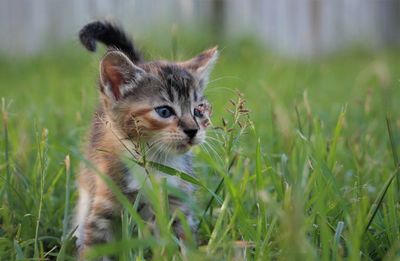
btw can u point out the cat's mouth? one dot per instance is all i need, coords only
(185, 146)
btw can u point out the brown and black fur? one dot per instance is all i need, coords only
(132, 91)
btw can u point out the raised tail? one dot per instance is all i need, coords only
(110, 35)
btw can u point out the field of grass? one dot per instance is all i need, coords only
(309, 173)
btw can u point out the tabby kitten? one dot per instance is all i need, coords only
(158, 103)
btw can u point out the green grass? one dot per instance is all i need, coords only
(308, 174)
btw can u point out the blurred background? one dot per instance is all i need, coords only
(321, 82)
(291, 27)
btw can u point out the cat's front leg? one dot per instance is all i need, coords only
(177, 225)
(98, 227)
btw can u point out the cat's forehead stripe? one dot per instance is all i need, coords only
(178, 80)
(195, 95)
(171, 83)
(170, 93)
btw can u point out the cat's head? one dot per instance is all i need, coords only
(159, 102)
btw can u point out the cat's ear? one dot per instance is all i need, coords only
(202, 64)
(118, 75)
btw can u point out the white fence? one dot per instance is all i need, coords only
(292, 27)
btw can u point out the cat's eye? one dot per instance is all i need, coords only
(164, 111)
(198, 113)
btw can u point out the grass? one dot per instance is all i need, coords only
(303, 165)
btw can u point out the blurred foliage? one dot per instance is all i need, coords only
(300, 181)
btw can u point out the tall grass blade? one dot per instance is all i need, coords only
(210, 201)
(258, 170)
(68, 238)
(338, 129)
(218, 225)
(19, 254)
(118, 194)
(299, 125)
(392, 142)
(6, 143)
(64, 240)
(42, 156)
(394, 150)
(67, 163)
(338, 234)
(379, 199)
(186, 177)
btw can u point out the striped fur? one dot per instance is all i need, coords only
(131, 90)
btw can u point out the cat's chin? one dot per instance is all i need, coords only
(183, 148)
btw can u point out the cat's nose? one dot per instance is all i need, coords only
(191, 132)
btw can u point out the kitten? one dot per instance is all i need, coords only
(160, 103)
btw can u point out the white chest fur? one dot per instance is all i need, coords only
(138, 176)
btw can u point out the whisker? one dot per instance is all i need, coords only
(214, 130)
(205, 149)
(224, 77)
(153, 147)
(215, 139)
(167, 151)
(150, 152)
(212, 148)
(161, 152)
(154, 152)
(157, 153)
